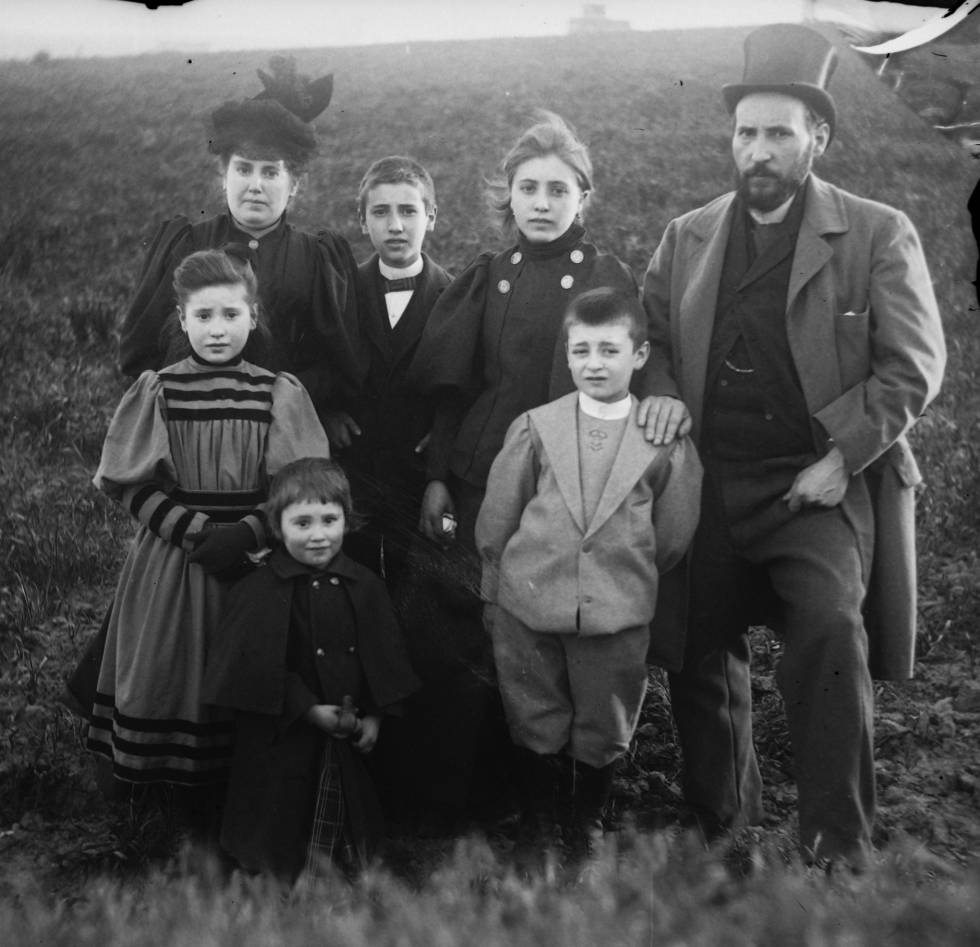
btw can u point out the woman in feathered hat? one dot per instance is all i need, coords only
(306, 282)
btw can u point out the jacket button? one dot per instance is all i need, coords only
(320, 652)
(351, 649)
(503, 286)
(516, 257)
(576, 256)
(315, 583)
(567, 282)
(334, 580)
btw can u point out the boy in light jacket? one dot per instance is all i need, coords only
(581, 517)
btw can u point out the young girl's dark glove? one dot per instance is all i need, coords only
(220, 551)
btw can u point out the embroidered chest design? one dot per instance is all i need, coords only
(596, 439)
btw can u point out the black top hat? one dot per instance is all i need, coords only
(790, 59)
(275, 122)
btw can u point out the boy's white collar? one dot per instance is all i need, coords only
(603, 410)
(389, 272)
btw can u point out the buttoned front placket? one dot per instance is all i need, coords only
(333, 634)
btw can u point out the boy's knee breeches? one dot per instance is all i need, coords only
(570, 693)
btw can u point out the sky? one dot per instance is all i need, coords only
(121, 27)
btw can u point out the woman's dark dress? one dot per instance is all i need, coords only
(308, 291)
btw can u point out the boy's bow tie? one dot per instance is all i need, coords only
(405, 284)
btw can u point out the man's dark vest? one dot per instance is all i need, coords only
(755, 407)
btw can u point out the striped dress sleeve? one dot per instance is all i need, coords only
(295, 430)
(137, 470)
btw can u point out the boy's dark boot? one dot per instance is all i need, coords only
(539, 776)
(591, 789)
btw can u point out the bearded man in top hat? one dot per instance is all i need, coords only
(797, 326)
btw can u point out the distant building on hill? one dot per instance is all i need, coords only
(594, 20)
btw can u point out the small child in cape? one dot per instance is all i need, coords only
(310, 657)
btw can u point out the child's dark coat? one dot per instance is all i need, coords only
(277, 755)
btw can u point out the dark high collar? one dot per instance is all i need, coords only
(547, 251)
(286, 567)
(231, 363)
(237, 235)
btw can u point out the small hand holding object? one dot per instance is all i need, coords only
(220, 548)
(663, 418)
(348, 725)
(325, 716)
(437, 519)
(367, 735)
(822, 484)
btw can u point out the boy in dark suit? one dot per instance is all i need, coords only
(381, 448)
(383, 435)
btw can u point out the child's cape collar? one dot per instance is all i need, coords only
(286, 567)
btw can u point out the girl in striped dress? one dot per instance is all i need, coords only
(189, 453)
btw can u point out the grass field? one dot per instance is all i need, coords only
(95, 152)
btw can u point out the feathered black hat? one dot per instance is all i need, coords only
(276, 121)
(790, 59)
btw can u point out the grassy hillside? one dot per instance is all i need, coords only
(93, 153)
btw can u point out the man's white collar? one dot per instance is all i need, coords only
(602, 409)
(776, 216)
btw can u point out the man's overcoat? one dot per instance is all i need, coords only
(867, 344)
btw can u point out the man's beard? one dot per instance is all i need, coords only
(776, 189)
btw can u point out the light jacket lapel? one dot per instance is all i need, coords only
(557, 426)
(632, 458)
(375, 310)
(811, 332)
(696, 314)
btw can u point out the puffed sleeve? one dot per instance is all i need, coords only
(677, 507)
(137, 469)
(445, 363)
(296, 430)
(612, 271)
(447, 352)
(511, 484)
(140, 329)
(335, 377)
(137, 445)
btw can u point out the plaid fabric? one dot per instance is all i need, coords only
(330, 838)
